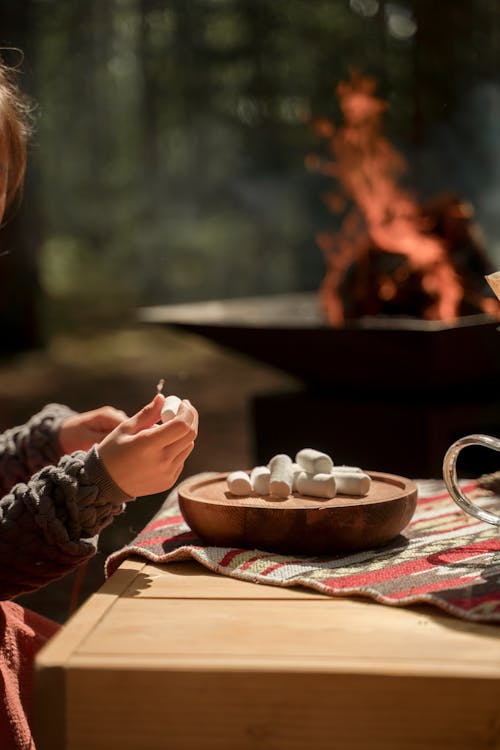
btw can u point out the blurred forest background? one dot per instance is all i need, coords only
(167, 162)
(167, 165)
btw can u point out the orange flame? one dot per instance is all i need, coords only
(368, 167)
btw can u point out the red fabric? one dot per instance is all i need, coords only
(23, 633)
(443, 557)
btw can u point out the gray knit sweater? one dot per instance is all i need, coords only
(52, 506)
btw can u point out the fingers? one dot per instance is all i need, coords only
(147, 416)
(106, 418)
(185, 423)
(144, 456)
(115, 415)
(188, 414)
(109, 412)
(170, 452)
(150, 414)
(177, 464)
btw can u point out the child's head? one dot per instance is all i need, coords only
(14, 132)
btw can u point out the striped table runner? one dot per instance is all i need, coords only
(444, 558)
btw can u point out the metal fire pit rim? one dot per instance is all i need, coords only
(248, 313)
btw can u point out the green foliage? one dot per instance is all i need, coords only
(171, 134)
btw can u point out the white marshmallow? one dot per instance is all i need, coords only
(281, 478)
(170, 408)
(313, 461)
(343, 469)
(259, 479)
(353, 483)
(239, 483)
(296, 469)
(316, 485)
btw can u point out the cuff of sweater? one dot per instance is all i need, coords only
(111, 498)
(45, 427)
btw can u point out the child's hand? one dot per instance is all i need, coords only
(143, 457)
(82, 431)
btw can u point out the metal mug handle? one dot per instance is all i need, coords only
(450, 475)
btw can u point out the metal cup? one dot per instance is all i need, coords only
(450, 475)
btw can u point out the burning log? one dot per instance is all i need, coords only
(390, 255)
(384, 283)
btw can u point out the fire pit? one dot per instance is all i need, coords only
(398, 355)
(290, 332)
(388, 393)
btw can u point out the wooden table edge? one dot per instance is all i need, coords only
(50, 676)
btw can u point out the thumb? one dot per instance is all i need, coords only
(147, 416)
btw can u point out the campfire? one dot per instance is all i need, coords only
(399, 353)
(391, 255)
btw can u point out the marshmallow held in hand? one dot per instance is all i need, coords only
(312, 474)
(170, 408)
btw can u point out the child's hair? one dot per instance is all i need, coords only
(14, 131)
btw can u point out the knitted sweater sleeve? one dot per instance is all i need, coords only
(51, 506)
(47, 524)
(26, 449)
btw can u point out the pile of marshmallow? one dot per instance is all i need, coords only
(312, 473)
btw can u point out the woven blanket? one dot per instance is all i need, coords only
(444, 557)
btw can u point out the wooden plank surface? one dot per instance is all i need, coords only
(175, 656)
(190, 580)
(331, 635)
(264, 710)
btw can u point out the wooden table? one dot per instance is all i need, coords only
(176, 657)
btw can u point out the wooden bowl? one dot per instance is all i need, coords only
(298, 524)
